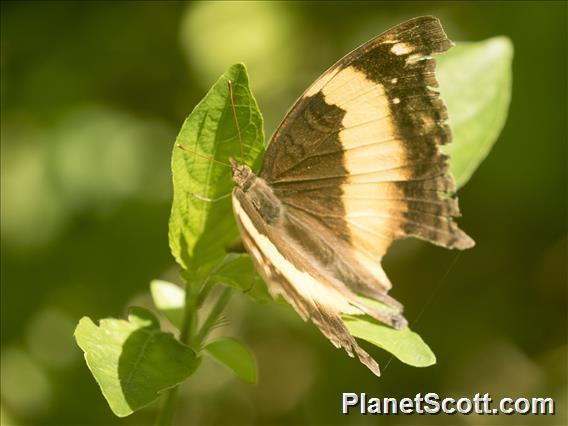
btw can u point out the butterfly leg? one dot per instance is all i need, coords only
(209, 200)
(389, 301)
(394, 319)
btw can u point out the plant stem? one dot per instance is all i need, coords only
(192, 302)
(166, 413)
(189, 317)
(205, 289)
(216, 310)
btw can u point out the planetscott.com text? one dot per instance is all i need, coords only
(432, 403)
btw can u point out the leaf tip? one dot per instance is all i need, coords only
(501, 46)
(238, 69)
(83, 322)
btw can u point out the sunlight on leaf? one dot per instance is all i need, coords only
(133, 361)
(200, 229)
(475, 82)
(234, 355)
(169, 299)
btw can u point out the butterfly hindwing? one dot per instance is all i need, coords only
(307, 283)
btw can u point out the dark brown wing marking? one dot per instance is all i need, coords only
(364, 155)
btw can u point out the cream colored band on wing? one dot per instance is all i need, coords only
(320, 82)
(309, 287)
(368, 123)
(373, 153)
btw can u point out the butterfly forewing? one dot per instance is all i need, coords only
(355, 164)
(361, 148)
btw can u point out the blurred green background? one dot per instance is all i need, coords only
(93, 95)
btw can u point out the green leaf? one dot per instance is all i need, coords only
(238, 271)
(475, 82)
(404, 344)
(199, 229)
(133, 361)
(169, 299)
(236, 356)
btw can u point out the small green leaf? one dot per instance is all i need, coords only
(169, 299)
(236, 356)
(475, 82)
(201, 220)
(133, 361)
(404, 344)
(142, 318)
(238, 271)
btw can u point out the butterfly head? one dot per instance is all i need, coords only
(242, 174)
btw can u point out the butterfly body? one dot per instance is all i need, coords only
(258, 193)
(355, 165)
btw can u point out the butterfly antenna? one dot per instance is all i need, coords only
(207, 157)
(230, 83)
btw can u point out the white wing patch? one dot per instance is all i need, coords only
(401, 49)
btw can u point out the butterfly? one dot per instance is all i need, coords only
(355, 164)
